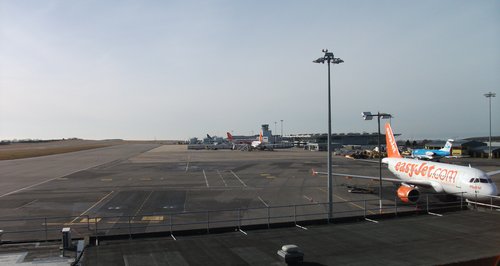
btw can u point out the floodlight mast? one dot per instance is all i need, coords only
(329, 58)
(489, 95)
(369, 116)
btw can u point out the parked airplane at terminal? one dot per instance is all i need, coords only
(240, 139)
(413, 174)
(433, 154)
(261, 143)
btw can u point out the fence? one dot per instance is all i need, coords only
(49, 228)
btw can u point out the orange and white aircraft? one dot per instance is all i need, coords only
(259, 144)
(412, 174)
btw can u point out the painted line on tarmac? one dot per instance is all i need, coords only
(225, 184)
(144, 202)
(238, 178)
(33, 201)
(83, 213)
(187, 165)
(43, 182)
(205, 175)
(351, 203)
(310, 199)
(263, 201)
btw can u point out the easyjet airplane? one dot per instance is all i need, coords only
(259, 144)
(413, 174)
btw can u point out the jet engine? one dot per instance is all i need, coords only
(408, 194)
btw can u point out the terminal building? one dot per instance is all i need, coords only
(346, 140)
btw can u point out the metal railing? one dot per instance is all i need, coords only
(49, 228)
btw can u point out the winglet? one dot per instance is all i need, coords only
(392, 147)
(314, 172)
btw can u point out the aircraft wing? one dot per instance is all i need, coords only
(386, 179)
(364, 160)
(493, 173)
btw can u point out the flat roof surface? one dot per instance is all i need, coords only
(415, 240)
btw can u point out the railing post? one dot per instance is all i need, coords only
(295, 214)
(476, 201)
(396, 206)
(88, 222)
(239, 219)
(208, 222)
(327, 218)
(268, 217)
(427, 202)
(364, 208)
(45, 219)
(95, 226)
(129, 228)
(171, 219)
(462, 201)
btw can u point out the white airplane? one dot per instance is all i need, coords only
(412, 174)
(261, 144)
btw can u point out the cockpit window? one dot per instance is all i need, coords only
(480, 180)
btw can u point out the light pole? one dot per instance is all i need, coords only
(329, 58)
(369, 116)
(275, 131)
(489, 95)
(281, 129)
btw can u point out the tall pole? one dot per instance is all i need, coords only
(274, 131)
(329, 139)
(329, 58)
(489, 154)
(489, 95)
(379, 166)
(281, 128)
(369, 116)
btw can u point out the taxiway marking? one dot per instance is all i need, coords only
(310, 199)
(187, 164)
(83, 213)
(351, 203)
(144, 202)
(205, 175)
(222, 178)
(43, 182)
(263, 201)
(238, 178)
(33, 201)
(157, 218)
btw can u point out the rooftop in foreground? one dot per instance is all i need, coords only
(454, 237)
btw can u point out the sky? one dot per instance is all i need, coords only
(143, 70)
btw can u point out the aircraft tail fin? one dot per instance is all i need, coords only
(229, 136)
(447, 146)
(392, 147)
(260, 137)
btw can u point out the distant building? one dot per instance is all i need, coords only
(483, 151)
(364, 139)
